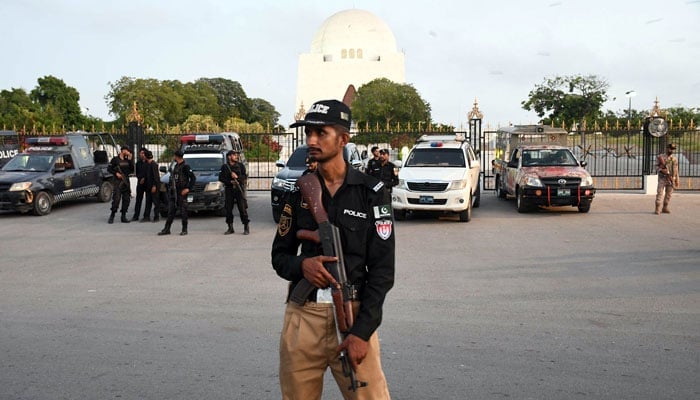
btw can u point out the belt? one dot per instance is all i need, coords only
(351, 292)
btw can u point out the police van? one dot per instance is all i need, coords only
(205, 154)
(54, 169)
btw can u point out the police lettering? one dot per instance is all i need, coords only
(355, 213)
(8, 153)
(319, 108)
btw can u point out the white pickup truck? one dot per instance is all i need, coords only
(441, 175)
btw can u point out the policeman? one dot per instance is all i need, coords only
(387, 174)
(141, 166)
(359, 206)
(233, 175)
(181, 183)
(152, 188)
(121, 166)
(667, 165)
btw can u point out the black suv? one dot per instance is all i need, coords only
(283, 182)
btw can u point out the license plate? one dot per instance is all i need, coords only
(426, 200)
(563, 192)
(190, 198)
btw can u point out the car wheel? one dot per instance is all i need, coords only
(477, 195)
(42, 203)
(521, 203)
(584, 208)
(466, 215)
(399, 215)
(500, 193)
(105, 193)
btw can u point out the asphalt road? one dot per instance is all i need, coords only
(548, 305)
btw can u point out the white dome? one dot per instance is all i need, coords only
(354, 29)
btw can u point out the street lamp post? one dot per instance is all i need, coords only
(629, 94)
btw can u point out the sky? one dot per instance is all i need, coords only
(456, 51)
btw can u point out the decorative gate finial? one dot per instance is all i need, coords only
(134, 116)
(301, 113)
(657, 111)
(475, 113)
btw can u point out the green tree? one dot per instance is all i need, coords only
(200, 123)
(264, 113)
(16, 109)
(383, 102)
(58, 102)
(568, 98)
(159, 103)
(232, 99)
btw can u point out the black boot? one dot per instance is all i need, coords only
(230, 230)
(246, 229)
(111, 218)
(146, 219)
(165, 231)
(125, 220)
(135, 218)
(184, 229)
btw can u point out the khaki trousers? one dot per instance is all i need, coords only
(308, 347)
(664, 190)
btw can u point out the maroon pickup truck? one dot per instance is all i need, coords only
(544, 175)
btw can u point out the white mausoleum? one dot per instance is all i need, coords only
(351, 47)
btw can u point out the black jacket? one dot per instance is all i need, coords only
(387, 175)
(373, 167)
(361, 209)
(152, 176)
(183, 177)
(238, 168)
(125, 167)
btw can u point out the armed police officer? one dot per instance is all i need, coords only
(360, 207)
(233, 175)
(181, 183)
(121, 166)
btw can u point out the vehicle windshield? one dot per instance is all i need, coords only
(548, 157)
(205, 164)
(30, 162)
(436, 157)
(298, 159)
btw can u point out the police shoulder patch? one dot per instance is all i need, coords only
(383, 211)
(378, 186)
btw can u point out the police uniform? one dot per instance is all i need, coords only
(373, 167)
(361, 209)
(140, 168)
(387, 175)
(151, 179)
(181, 177)
(668, 176)
(121, 187)
(234, 193)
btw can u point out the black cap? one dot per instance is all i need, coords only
(148, 154)
(326, 112)
(179, 153)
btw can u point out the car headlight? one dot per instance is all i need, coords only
(533, 181)
(458, 185)
(587, 181)
(212, 186)
(20, 186)
(279, 184)
(402, 184)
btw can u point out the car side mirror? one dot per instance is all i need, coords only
(357, 164)
(513, 163)
(163, 169)
(280, 164)
(584, 163)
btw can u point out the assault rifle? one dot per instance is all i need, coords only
(237, 185)
(328, 236)
(124, 182)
